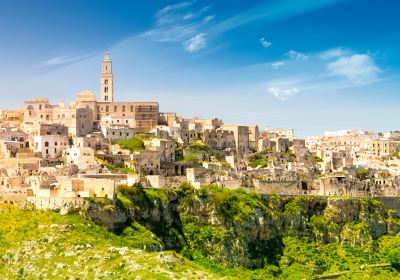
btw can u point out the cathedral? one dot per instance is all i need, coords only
(87, 114)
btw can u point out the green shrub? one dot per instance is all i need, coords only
(317, 159)
(197, 147)
(362, 173)
(261, 162)
(191, 158)
(133, 145)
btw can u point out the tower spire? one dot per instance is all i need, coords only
(106, 80)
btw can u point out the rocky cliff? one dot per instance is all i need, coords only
(237, 228)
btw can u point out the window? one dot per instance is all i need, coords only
(115, 109)
(107, 108)
(106, 81)
(106, 98)
(123, 108)
(131, 108)
(105, 89)
(40, 107)
(46, 144)
(55, 143)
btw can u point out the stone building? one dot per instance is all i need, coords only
(117, 133)
(218, 139)
(81, 156)
(384, 147)
(38, 110)
(84, 115)
(165, 147)
(96, 141)
(279, 133)
(12, 117)
(145, 162)
(241, 135)
(106, 80)
(38, 128)
(50, 146)
(253, 136)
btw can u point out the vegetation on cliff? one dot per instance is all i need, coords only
(133, 145)
(218, 233)
(46, 245)
(235, 231)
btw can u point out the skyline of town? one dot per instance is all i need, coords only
(200, 139)
(266, 62)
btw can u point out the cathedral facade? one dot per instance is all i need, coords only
(85, 115)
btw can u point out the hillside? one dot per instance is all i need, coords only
(210, 233)
(271, 236)
(46, 245)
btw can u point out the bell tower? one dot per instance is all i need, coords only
(106, 80)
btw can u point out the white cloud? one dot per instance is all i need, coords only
(333, 53)
(283, 93)
(188, 16)
(277, 64)
(357, 68)
(59, 60)
(265, 43)
(195, 43)
(208, 19)
(181, 23)
(67, 59)
(172, 13)
(171, 33)
(296, 55)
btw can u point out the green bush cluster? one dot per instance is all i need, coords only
(261, 162)
(197, 147)
(192, 158)
(125, 170)
(317, 159)
(133, 145)
(235, 205)
(362, 173)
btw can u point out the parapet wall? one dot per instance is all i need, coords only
(56, 203)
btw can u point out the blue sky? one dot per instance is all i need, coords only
(308, 65)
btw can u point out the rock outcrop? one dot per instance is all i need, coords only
(237, 228)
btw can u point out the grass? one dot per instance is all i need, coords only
(133, 145)
(46, 245)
